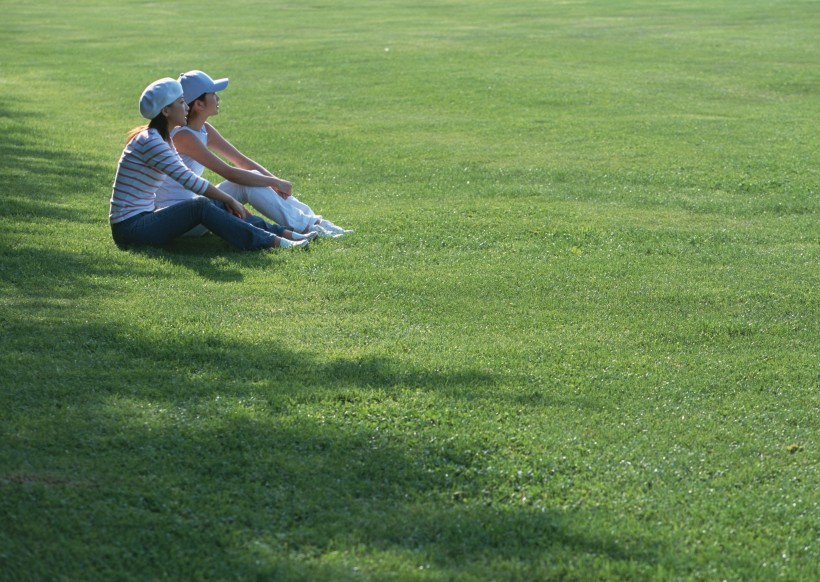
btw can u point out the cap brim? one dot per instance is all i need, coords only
(220, 84)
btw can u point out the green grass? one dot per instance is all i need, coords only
(574, 336)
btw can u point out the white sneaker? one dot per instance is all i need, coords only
(308, 236)
(327, 225)
(321, 232)
(292, 244)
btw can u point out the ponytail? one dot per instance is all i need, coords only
(160, 123)
(135, 132)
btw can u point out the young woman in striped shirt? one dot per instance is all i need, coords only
(148, 157)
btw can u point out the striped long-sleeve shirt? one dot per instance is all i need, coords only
(144, 162)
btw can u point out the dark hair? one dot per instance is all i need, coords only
(200, 98)
(160, 123)
(192, 101)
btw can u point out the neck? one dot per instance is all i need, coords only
(196, 122)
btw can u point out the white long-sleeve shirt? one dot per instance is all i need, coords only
(145, 161)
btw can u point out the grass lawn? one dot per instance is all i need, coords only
(574, 337)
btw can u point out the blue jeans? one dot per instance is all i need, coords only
(160, 227)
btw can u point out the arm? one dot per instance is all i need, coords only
(234, 206)
(188, 144)
(227, 150)
(159, 155)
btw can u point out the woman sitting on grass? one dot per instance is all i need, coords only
(149, 156)
(245, 180)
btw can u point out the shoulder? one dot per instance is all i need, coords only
(138, 136)
(182, 129)
(151, 134)
(146, 142)
(150, 137)
(187, 138)
(216, 141)
(211, 130)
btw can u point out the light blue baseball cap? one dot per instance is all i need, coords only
(195, 83)
(157, 95)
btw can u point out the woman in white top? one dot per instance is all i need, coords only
(245, 180)
(148, 159)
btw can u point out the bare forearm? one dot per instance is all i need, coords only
(234, 206)
(248, 178)
(250, 165)
(215, 193)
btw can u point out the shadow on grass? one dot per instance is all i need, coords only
(53, 273)
(196, 457)
(41, 181)
(214, 259)
(203, 256)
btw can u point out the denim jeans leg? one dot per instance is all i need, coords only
(157, 228)
(160, 227)
(257, 221)
(240, 233)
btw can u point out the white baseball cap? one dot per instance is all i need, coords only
(157, 95)
(196, 83)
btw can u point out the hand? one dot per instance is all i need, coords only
(283, 188)
(236, 208)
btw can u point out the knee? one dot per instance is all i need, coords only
(201, 202)
(200, 205)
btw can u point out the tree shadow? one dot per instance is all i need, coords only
(55, 274)
(207, 256)
(203, 445)
(41, 181)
